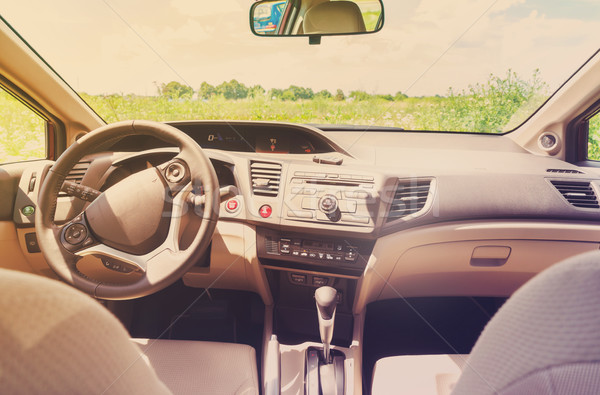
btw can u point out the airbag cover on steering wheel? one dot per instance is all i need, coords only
(132, 216)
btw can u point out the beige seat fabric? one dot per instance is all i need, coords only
(544, 340)
(57, 340)
(546, 337)
(215, 368)
(417, 374)
(334, 17)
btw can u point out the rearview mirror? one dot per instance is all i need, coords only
(315, 18)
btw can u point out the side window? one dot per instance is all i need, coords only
(594, 138)
(22, 131)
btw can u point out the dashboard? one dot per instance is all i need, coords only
(423, 213)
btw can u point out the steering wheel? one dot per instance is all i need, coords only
(134, 225)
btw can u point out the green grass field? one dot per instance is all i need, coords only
(429, 113)
(22, 132)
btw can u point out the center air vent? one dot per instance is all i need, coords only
(266, 177)
(410, 198)
(579, 194)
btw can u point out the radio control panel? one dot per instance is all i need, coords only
(344, 199)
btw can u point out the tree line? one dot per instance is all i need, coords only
(233, 90)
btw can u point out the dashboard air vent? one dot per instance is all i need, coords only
(565, 171)
(410, 198)
(78, 171)
(76, 174)
(579, 194)
(266, 177)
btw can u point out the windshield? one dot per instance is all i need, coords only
(465, 65)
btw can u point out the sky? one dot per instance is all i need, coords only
(424, 48)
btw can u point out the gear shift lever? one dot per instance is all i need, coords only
(326, 303)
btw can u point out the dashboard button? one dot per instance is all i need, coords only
(357, 194)
(31, 243)
(300, 214)
(265, 211)
(28, 211)
(362, 178)
(322, 217)
(232, 205)
(316, 175)
(303, 191)
(75, 234)
(351, 254)
(355, 219)
(284, 246)
(310, 203)
(347, 206)
(88, 242)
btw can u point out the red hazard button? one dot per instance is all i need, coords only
(232, 205)
(265, 211)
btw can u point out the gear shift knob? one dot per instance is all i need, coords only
(326, 303)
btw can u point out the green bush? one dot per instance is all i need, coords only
(175, 90)
(359, 95)
(594, 138)
(232, 90)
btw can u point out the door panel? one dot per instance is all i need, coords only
(15, 181)
(9, 181)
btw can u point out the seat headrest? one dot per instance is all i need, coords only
(334, 17)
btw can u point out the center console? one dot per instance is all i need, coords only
(339, 212)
